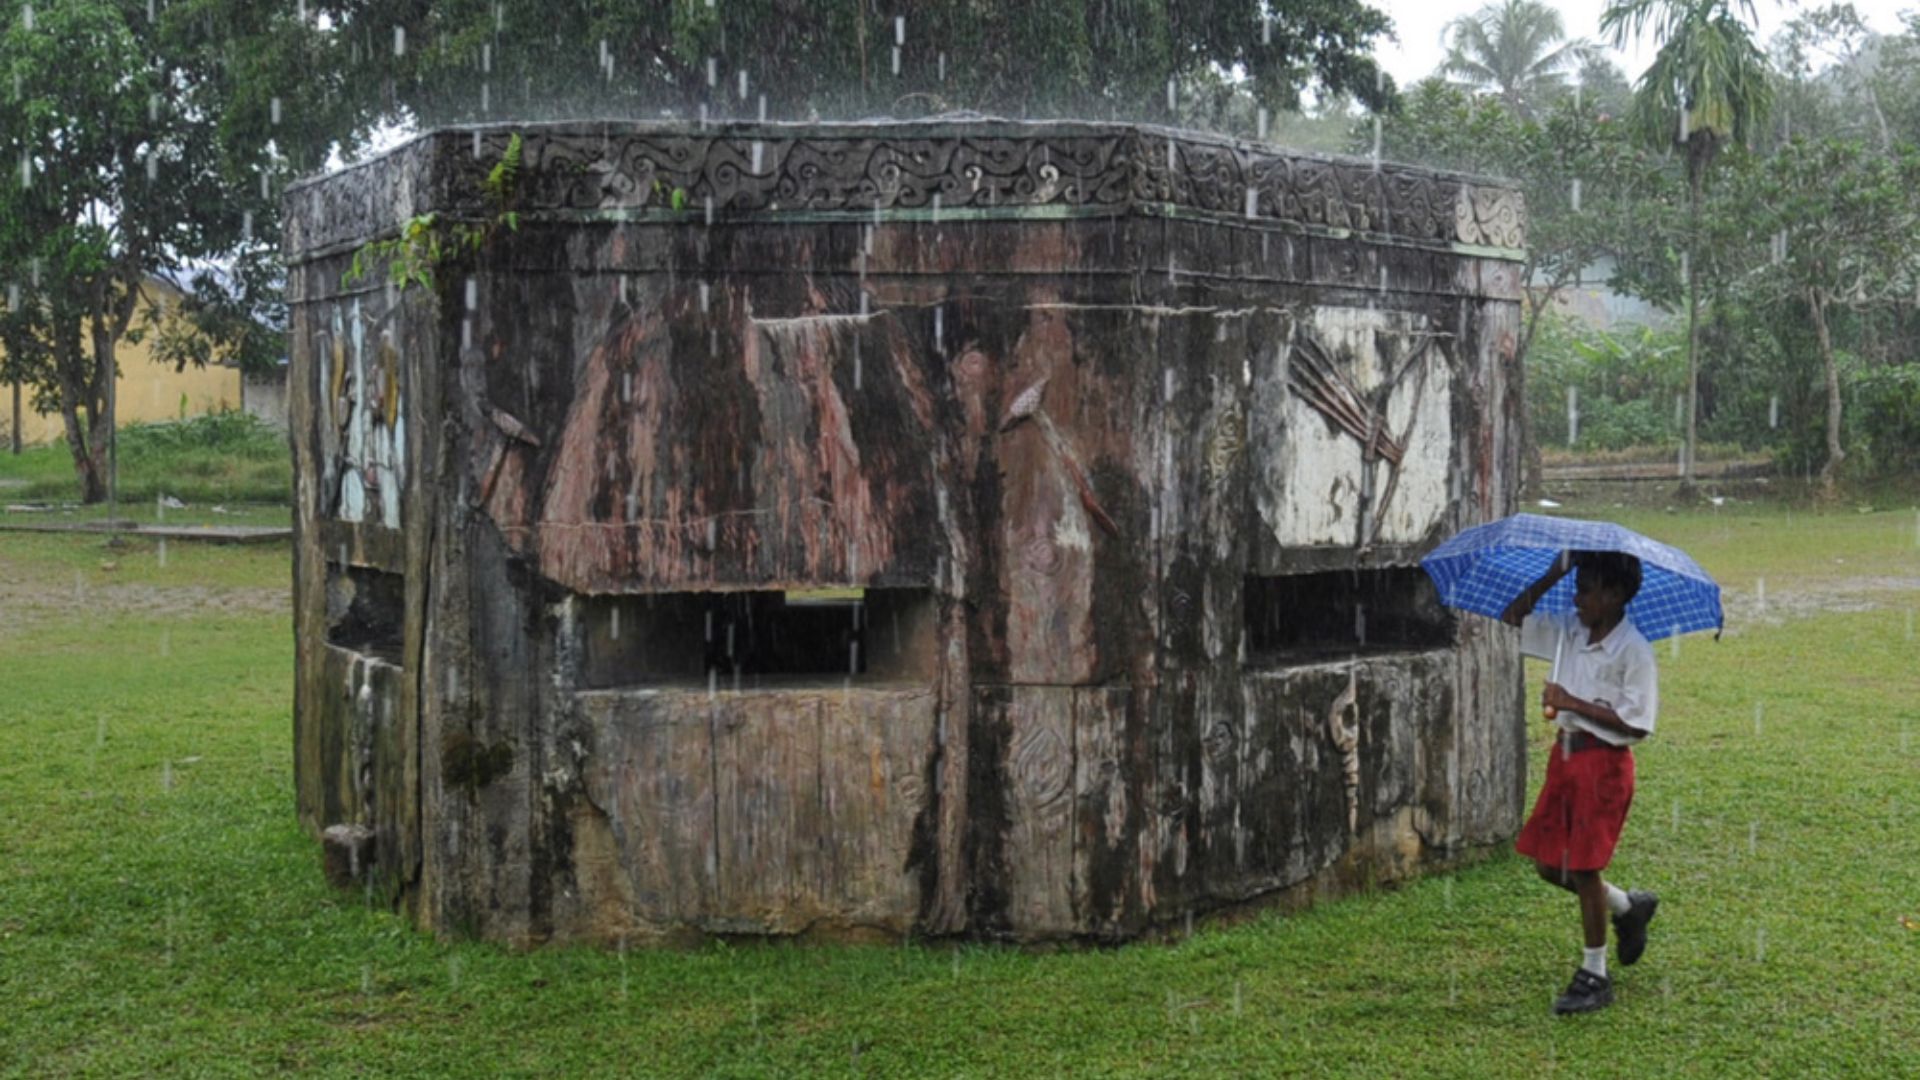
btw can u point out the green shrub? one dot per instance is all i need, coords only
(1624, 381)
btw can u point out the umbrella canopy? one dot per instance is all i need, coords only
(1484, 568)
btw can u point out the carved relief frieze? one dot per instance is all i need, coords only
(908, 166)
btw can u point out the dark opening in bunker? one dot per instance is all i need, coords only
(770, 639)
(1296, 618)
(366, 610)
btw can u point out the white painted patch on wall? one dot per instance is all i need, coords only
(1308, 486)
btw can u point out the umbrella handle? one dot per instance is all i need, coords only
(1559, 641)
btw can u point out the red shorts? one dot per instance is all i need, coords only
(1582, 807)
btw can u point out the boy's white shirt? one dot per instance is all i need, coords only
(1618, 672)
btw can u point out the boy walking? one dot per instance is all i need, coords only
(1604, 699)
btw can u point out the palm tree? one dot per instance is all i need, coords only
(1708, 86)
(1515, 48)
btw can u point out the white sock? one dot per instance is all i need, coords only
(1617, 901)
(1595, 961)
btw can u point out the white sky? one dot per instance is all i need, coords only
(1419, 23)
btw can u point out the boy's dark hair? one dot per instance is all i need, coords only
(1615, 569)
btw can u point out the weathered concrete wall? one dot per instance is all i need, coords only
(1130, 436)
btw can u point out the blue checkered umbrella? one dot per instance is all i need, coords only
(1484, 568)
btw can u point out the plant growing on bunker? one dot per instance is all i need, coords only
(429, 243)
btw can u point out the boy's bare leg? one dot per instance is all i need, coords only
(1556, 877)
(1593, 906)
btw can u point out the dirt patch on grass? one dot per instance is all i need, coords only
(30, 604)
(1752, 607)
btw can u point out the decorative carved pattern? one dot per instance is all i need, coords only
(890, 166)
(1490, 215)
(1041, 766)
(1224, 446)
(1220, 740)
(1343, 727)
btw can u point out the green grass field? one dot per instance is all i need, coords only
(221, 458)
(161, 912)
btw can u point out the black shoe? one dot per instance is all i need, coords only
(1631, 929)
(1586, 993)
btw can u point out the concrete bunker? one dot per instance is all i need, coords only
(943, 528)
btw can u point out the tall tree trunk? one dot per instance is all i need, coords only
(1691, 446)
(79, 393)
(16, 418)
(1829, 473)
(88, 466)
(1531, 469)
(105, 439)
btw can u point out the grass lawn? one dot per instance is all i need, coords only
(218, 459)
(160, 911)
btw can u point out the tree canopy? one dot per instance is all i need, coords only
(463, 60)
(1517, 49)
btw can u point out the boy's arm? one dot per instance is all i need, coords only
(1637, 698)
(1522, 605)
(1556, 696)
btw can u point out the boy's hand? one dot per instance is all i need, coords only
(1554, 696)
(1522, 605)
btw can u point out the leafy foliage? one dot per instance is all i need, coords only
(139, 143)
(427, 243)
(464, 60)
(1517, 49)
(1621, 383)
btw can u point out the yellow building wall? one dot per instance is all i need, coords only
(146, 391)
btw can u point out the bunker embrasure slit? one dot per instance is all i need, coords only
(1293, 618)
(760, 639)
